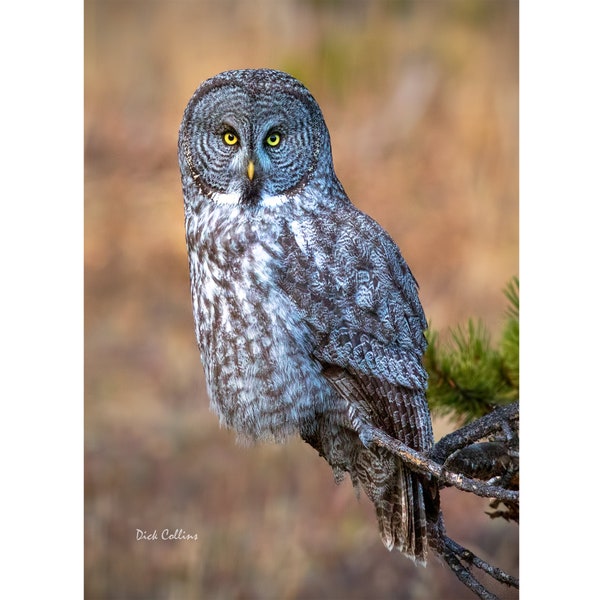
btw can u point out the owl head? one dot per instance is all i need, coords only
(252, 137)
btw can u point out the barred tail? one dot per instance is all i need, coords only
(400, 501)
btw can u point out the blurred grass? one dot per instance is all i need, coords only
(421, 99)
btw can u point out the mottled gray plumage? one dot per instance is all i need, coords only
(307, 316)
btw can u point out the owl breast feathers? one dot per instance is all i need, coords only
(307, 317)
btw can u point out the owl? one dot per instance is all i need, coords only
(307, 317)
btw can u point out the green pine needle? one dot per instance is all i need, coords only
(468, 378)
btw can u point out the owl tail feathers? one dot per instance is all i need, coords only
(407, 513)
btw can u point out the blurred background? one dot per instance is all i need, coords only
(421, 99)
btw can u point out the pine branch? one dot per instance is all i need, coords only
(499, 420)
(373, 436)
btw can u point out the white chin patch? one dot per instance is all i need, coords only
(267, 200)
(232, 198)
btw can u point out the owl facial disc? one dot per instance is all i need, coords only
(244, 138)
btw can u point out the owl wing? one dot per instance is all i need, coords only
(360, 302)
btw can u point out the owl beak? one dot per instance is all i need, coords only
(250, 170)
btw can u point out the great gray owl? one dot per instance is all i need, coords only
(307, 316)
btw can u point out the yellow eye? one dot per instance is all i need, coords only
(274, 139)
(230, 138)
